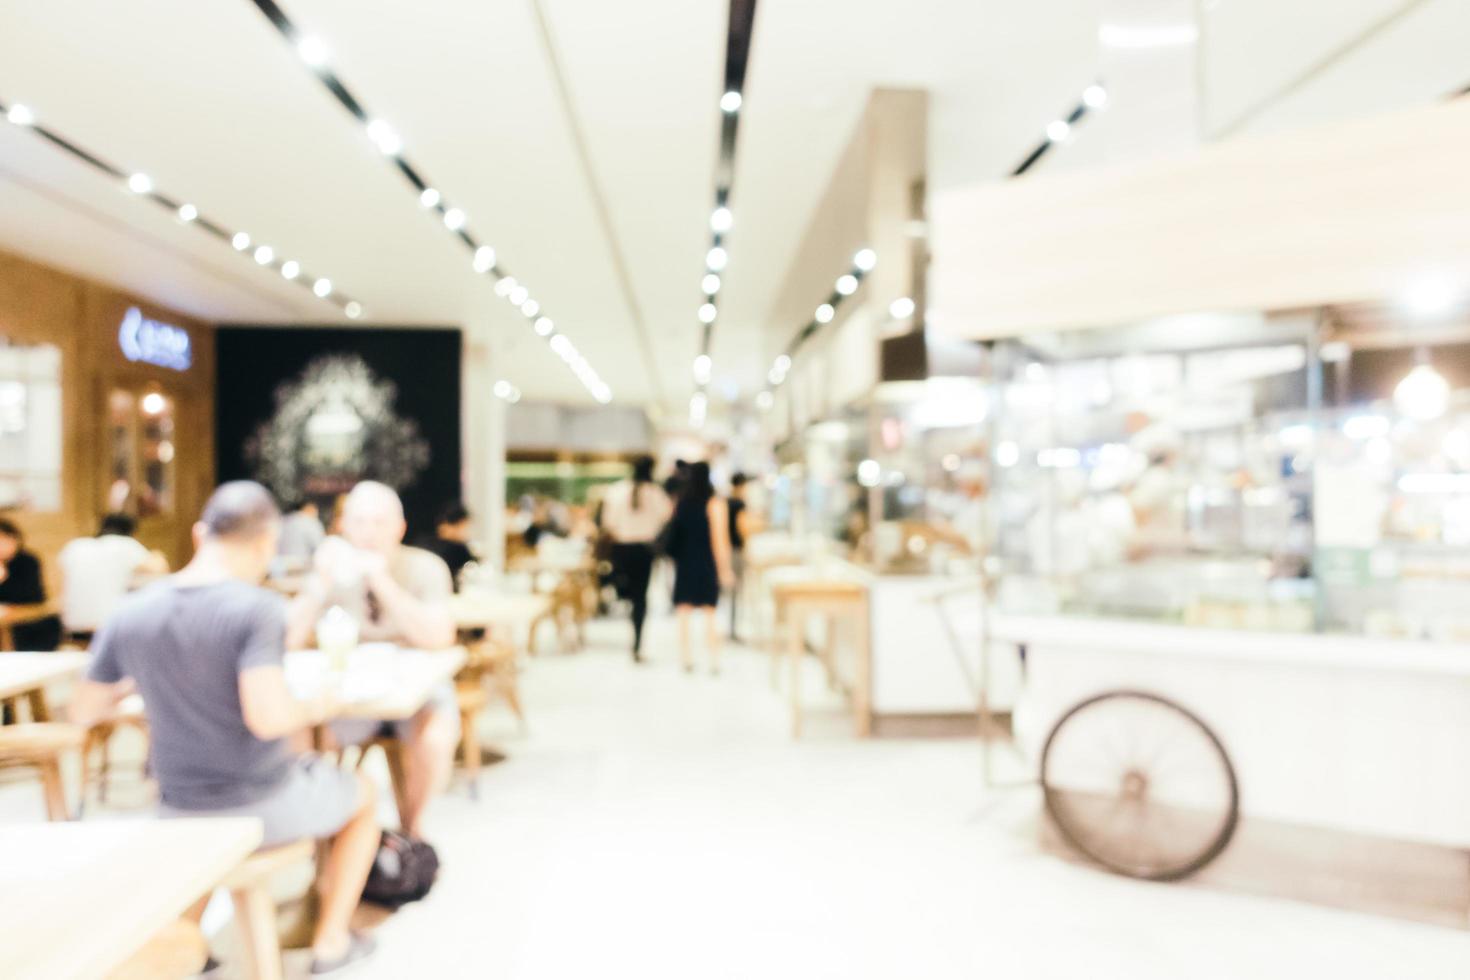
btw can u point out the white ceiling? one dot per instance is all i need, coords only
(207, 98)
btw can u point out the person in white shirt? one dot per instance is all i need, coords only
(634, 512)
(98, 572)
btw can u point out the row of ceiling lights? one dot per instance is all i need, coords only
(863, 262)
(316, 54)
(142, 185)
(721, 220)
(1094, 97)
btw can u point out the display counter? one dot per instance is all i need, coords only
(1348, 733)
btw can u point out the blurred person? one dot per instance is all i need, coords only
(205, 648)
(675, 481)
(451, 540)
(96, 573)
(740, 529)
(301, 534)
(634, 512)
(399, 595)
(542, 523)
(21, 584)
(698, 541)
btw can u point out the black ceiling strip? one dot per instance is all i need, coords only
(1034, 157)
(738, 35)
(164, 201)
(412, 174)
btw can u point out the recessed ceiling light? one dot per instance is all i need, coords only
(241, 241)
(264, 255)
(847, 285)
(716, 259)
(454, 219)
(322, 287)
(20, 115)
(1095, 96)
(384, 138)
(484, 259)
(313, 51)
(188, 212)
(1058, 130)
(721, 219)
(140, 183)
(530, 307)
(429, 198)
(519, 295)
(353, 310)
(504, 285)
(824, 313)
(707, 313)
(731, 101)
(783, 363)
(865, 259)
(544, 326)
(901, 308)
(290, 269)
(710, 284)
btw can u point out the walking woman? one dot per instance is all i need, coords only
(633, 513)
(699, 543)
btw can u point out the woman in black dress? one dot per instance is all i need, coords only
(698, 541)
(21, 585)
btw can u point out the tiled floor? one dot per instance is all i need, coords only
(653, 824)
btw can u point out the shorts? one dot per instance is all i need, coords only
(356, 731)
(315, 800)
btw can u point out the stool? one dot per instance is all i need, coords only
(176, 952)
(39, 746)
(255, 910)
(836, 600)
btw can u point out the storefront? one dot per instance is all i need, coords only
(106, 403)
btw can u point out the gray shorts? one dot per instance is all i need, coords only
(356, 731)
(316, 800)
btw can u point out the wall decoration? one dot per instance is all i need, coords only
(309, 411)
(334, 426)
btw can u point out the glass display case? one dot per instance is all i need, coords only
(1162, 471)
(140, 447)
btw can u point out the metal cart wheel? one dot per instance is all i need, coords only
(1139, 785)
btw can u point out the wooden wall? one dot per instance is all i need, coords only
(39, 304)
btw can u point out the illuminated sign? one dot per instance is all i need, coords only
(153, 342)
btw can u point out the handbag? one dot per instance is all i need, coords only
(403, 871)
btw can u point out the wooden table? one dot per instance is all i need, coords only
(11, 616)
(498, 610)
(80, 898)
(837, 600)
(28, 675)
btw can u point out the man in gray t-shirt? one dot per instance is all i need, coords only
(205, 648)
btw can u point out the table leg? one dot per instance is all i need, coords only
(793, 652)
(774, 643)
(7, 641)
(862, 702)
(37, 701)
(829, 652)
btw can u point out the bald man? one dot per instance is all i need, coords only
(398, 595)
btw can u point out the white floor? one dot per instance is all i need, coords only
(653, 824)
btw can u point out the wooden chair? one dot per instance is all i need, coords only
(100, 736)
(178, 951)
(255, 909)
(40, 746)
(470, 693)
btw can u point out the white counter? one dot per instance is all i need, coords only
(1350, 733)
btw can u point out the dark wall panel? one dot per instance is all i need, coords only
(309, 411)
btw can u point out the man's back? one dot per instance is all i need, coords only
(96, 575)
(186, 646)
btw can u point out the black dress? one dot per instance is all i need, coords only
(696, 580)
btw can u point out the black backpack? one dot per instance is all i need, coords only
(403, 871)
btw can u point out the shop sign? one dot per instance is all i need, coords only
(153, 342)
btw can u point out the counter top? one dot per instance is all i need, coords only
(1308, 649)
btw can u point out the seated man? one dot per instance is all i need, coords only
(96, 573)
(397, 594)
(205, 648)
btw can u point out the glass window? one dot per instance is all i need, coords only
(30, 427)
(140, 448)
